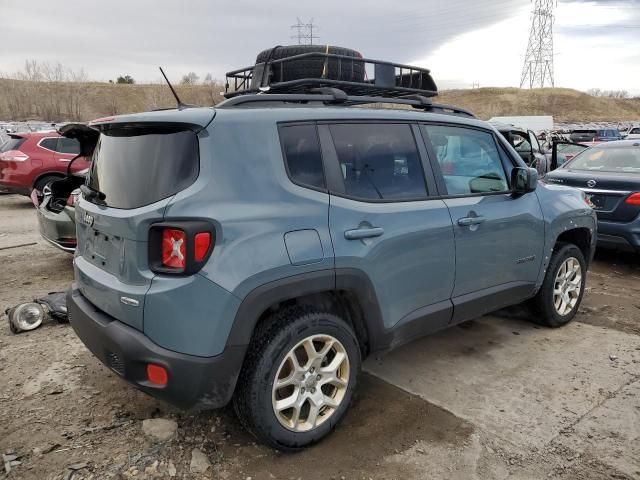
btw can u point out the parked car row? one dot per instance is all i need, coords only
(32, 160)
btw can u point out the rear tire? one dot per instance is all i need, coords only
(313, 67)
(315, 387)
(559, 298)
(44, 181)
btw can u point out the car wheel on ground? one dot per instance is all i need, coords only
(298, 378)
(558, 300)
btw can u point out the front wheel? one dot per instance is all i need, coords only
(298, 378)
(559, 298)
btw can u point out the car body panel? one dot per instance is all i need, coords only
(407, 280)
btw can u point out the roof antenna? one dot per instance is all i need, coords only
(181, 106)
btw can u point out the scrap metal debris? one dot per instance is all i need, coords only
(30, 315)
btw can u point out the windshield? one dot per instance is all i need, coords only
(622, 159)
(138, 167)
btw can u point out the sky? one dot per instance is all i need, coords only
(463, 42)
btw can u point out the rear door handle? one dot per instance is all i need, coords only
(467, 221)
(360, 233)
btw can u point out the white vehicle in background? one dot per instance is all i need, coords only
(632, 134)
(536, 123)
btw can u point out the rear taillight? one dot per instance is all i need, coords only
(14, 156)
(202, 242)
(633, 199)
(174, 248)
(180, 248)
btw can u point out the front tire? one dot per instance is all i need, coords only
(559, 298)
(298, 378)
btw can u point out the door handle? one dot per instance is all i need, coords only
(360, 233)
(468, 221)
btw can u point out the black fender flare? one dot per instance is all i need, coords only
(351, 280)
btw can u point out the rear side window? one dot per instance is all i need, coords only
(302, 155)
(68, 145)
(137, 167)
(49, 143)
(12, 144)
(379, 161)
(469, 160)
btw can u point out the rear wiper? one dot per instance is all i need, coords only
(91, 193)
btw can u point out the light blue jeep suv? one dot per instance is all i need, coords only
(258, 251)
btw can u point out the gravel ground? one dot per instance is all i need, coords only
(66, 416)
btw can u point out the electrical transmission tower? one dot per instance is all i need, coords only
(538, 62)
(304, 32)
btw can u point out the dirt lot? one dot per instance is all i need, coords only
(494, 398)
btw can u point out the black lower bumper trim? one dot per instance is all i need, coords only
(194, 382)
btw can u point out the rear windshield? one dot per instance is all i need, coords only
(607, 160)
(138, 167)
(12, 144)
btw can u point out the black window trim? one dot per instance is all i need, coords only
(281, 125)
(435, 166)
(333, 175)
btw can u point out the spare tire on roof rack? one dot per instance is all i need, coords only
(310, 67)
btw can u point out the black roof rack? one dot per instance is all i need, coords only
(335, 96)
(347, 73)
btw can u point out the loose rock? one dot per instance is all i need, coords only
(199, 462)
(159, 429)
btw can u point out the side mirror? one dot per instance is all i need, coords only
(523, 180)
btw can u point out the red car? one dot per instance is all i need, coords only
(31, 160)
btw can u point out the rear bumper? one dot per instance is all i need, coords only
(623, 236)
(59, 229)
(194, 382)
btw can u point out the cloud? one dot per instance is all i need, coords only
(462, 41)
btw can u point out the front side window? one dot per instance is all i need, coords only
(379, 161)
(303, 155)
(469, 160)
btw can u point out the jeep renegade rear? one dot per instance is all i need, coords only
(260, 250)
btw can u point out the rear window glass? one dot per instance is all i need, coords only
(607, 160)
(11, 144)
(138, 167)
(302, 154)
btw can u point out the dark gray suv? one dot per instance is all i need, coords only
(258, 251)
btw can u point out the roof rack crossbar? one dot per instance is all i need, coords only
(332, 96)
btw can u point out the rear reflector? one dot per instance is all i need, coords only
(174, 248)
(157, 374)
(633, 199)
(202, 243)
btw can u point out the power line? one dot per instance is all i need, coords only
(304, 32)
(538, 61)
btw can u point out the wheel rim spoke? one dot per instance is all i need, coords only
(567, 286)
(307, 391)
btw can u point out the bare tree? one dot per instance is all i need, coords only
(190, 78)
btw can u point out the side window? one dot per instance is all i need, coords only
(469, 160)
(520, 143)
(379, 161)
(302, 154)
(49, 143)
(68, 145)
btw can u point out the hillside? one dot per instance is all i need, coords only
(22, 100)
